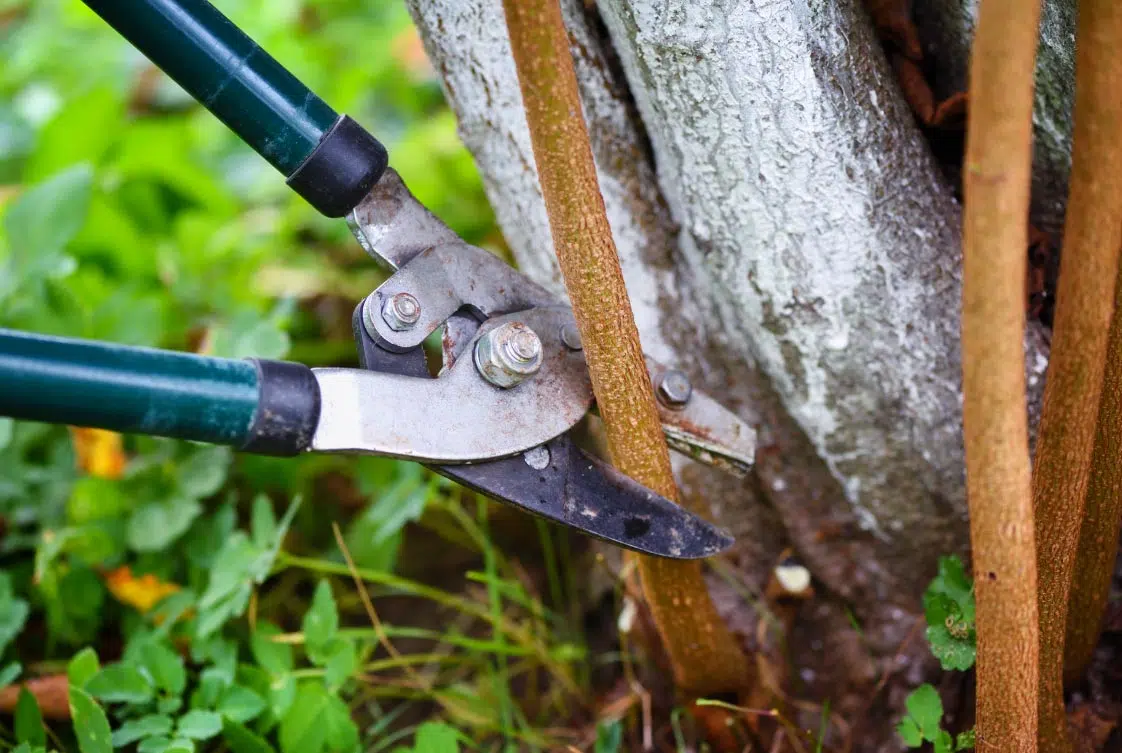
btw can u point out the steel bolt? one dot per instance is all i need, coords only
(674, 388)
(570, 335)
(508, 355)
(537, 457)
(401, 311)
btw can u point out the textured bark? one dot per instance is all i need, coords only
(996, 185)
(704, 657)
(947, 28)
(830, 242)
(1098, 536)
(874, 573)
(1084, 308)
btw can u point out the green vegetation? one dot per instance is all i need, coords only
(186, 598)
(948, 605)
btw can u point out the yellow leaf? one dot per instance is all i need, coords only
(141, 592)
(100, 452)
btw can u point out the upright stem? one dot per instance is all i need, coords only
(704, 655)
(996, 187)
(1084, 307)
(1098, 537)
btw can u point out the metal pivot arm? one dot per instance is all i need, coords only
(267, 407)
(328, 159)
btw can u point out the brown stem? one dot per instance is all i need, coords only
(1085, 305)
(1098, 537)
(50, 691)
(705, 657)
(999, 487)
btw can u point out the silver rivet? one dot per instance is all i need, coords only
(537, 457)
(401, 311)
(674, 388)
(570, 335)
(508, 355)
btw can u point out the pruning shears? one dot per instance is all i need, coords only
(513, 384)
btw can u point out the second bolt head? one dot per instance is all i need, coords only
(509, 354)
(401, 311)
(674, 388)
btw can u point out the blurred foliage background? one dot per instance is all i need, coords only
(175, 597)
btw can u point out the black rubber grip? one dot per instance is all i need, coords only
(287, 409)
(341, 170)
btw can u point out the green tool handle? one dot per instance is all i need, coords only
(328, 159)
(266, 407)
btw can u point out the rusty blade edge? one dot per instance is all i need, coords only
(574, 489)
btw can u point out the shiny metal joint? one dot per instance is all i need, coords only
(508, 355)
(401, 311)
(570, 335)
(674, 388)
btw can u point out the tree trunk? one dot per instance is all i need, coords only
(947, 27)
(798, 253)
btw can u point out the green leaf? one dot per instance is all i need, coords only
(155, 525)
(120, 683)
(164, 666)
(925, 707)
(249, 335)
(437, 737)
(271, 655)
(82, 667)
(609, 736)
(6, 430)
(199, 724)
(242, 740)
(60, 144)
(152, 725)
(155, 744)
(264, 524)
(321, 622)
(952, 652)
(47, 216)
(340, 662)
(943, 742)
(909, 732)
(965, 740)
(302, 729)
(317, 722)
(29, 720)
(948, 605)
(374, 537)
(91, 728)
(9, 673)
(13, 612)
(240, 704)
(203, 472)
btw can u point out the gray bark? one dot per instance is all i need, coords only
(797, 251)
(947, 27)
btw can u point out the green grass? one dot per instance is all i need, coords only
(128, 214)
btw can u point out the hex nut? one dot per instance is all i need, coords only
(508, 355)
(674, 388)
(401, 311)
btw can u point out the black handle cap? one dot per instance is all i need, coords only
(288, 406)
(341, 170)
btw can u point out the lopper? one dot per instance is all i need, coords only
(513, 381)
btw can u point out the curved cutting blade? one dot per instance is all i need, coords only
(562, 483)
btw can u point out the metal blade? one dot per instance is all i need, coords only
(698, 426)
(562, 483)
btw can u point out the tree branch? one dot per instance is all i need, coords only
(1098, 536)
(704, 655)
(1084, 308)
(996, 186)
